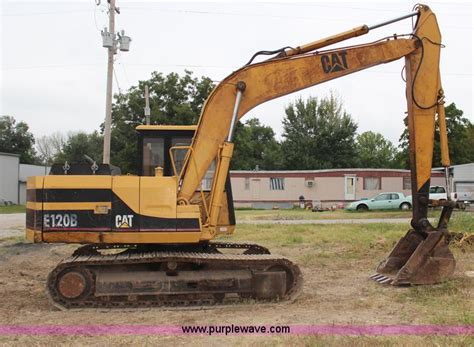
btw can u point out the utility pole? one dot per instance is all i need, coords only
(110, 42)
(147, 105)
(110, 71)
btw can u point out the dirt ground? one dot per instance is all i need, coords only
(338, 292)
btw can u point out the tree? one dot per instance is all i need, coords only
(470, 142)
(174, 99)
(16, 138)
(374, 151)
(255, 144)
(80, 144)
(318, 134)
(49, 147)
(459, 131)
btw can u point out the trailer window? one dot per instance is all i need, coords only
(277, 183)
(372, 183)
(406, 183)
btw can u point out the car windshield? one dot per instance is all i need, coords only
(435, 190)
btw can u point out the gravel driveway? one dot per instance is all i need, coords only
(12, 225)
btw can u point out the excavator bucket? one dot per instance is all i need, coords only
(418, 259)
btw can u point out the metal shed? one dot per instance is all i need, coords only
(9, 176)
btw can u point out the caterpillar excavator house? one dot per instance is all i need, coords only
(147, 240)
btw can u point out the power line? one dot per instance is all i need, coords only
(120, 62)
(355, 8)
(198, 12)
(116, 81)
(95, 15)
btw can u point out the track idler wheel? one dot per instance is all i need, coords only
(73, 284)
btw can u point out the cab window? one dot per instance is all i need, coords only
(153, 155)
(180, 154)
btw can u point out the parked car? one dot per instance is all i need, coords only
(438, 193)
(383, 201)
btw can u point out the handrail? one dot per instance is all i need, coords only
(187, 158)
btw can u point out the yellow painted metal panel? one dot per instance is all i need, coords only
(34, 205)
(99, 207)
(78, 182)
(423, 88)
(34, 182)
(127, 188)
(121, 237)
(158, 196)
(33, 235)
(188, 211)
(166, 127)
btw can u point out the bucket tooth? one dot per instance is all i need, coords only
(376, 276)
(416, 259)
(381, 279)
(386, 281)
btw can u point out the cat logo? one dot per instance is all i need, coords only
(124, 221)
(334, 62)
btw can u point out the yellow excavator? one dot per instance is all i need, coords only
(148, 239)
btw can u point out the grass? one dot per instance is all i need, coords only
(295, 214)
(264, 341)
(462, 222)
(12, 209)
(355, 236)
(454, 296)
(346, 239)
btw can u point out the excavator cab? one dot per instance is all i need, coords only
(163, 150)
(154, 144)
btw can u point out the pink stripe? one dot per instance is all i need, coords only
(172, 230)
(355, 330)
(121, 230)
(76, 229)
(384, 330)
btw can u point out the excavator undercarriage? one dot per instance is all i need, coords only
(187, 276)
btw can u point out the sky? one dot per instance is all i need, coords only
(53, 65)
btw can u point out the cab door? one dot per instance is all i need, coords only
(158, 204)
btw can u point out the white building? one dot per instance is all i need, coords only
(325, 188)
(463, 180)
(9, 178)
(27, 170)
(13, 176)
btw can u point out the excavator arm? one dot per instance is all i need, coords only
(305, 66)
